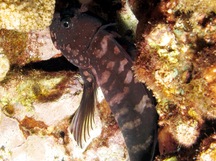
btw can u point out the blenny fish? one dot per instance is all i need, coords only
(87, 43)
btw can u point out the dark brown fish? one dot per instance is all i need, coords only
(87, 43)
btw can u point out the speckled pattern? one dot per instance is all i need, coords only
(85, 42)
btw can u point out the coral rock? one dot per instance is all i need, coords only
(26, 15)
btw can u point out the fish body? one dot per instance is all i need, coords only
(85, 41)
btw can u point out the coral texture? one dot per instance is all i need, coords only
(36, 108)
(26, 15)
(4, 66)
(177, 62)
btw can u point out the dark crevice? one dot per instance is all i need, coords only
(52, 65)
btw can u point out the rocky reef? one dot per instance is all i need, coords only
(176, 60)
(36, 109)
(26, 15)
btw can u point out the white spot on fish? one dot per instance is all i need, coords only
(68, 48)
(116, 50)
(116, 99)
(132, 124)
(121, 112)
(104, 77)
(106, 91)
(110, 65)
(81, 58)
(144, 103)
(141, 147)
(75, 52)
(85, 73)
(122, 65)
(75, 61)
(129, 77)
(99, 53)
(89, 79)
(53, 35)
(63, 47)
(55, 44)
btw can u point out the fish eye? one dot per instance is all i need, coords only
(66, 23)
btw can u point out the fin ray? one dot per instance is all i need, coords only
(83, 119)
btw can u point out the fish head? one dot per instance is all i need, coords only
(72, 33)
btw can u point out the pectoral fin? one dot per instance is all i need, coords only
(83, 119)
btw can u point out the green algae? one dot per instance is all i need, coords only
(27, 87)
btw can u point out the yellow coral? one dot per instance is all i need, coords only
(177, 62)
(201, 6)
(26, 15)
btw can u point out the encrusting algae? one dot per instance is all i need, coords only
(13, 45)
(17, 18)
(177, 61)
(31, 86)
